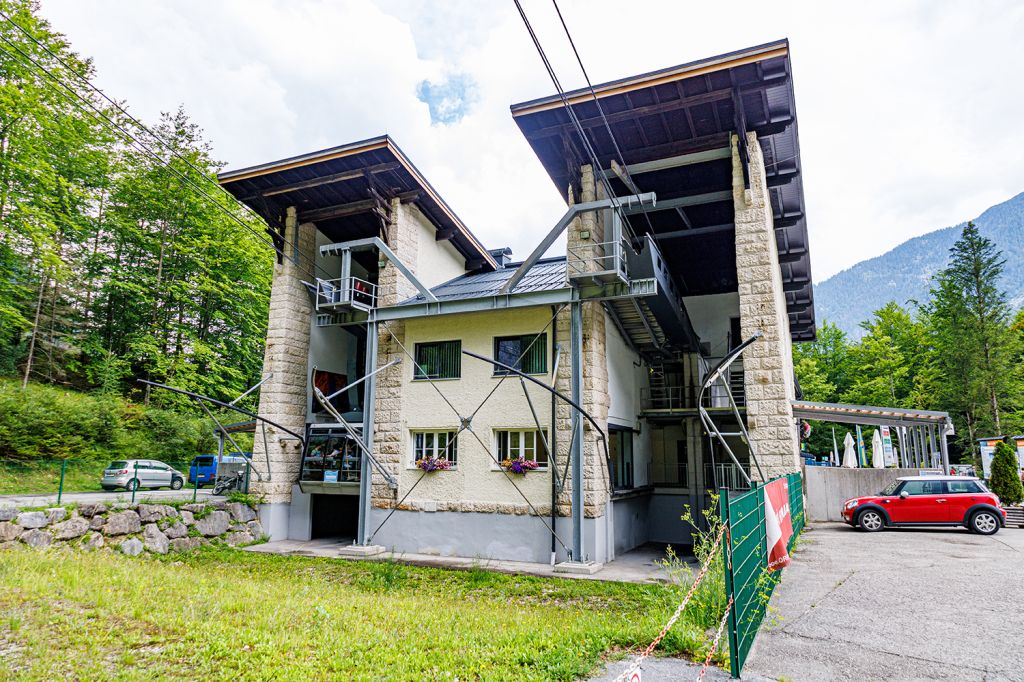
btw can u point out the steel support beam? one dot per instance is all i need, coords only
(674, 161)
(679, 202)
(369, 405)
(576, 353)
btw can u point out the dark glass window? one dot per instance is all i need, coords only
(527, 353)
(620, 449)
(963, 487)
(438, 360)
(924, 488)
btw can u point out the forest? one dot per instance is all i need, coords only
(958, 351)
(120, 257)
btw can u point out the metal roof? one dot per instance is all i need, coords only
(673, 128)
(868, 414)
(548, 274)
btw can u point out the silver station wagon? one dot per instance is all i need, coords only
(132, 474)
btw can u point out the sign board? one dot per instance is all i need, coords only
(330, 476)
(887, 449)
(777, 522)
(988, 449)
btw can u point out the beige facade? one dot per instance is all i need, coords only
(768, 364)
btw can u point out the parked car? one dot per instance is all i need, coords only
(928, 501)
(204, 467)
(132, 474)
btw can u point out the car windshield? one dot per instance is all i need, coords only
(891, 488)
(121, 464)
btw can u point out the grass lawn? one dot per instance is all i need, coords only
(229, 614)
(44, 476)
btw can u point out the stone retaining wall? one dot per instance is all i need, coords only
(132, 529)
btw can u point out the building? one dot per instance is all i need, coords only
(688, 237)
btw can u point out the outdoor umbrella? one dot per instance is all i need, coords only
(849, 456)
(835, 449)
(877, 451)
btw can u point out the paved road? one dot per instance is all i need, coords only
(114, 496)
(897, 605)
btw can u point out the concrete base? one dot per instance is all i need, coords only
(357, 551)
(275, 519)
(578, 567)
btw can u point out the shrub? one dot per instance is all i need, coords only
(1005, 477)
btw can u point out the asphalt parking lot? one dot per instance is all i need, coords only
(897, 605)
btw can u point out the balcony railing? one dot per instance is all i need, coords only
(602, 261)
(345, 292)
(685, 397)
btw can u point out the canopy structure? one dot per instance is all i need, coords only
(922, 433)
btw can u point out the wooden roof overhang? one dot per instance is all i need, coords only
(346, 190)
(673, 128)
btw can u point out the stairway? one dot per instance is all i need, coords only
(736, 385)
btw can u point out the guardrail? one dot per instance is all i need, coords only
(346, 291)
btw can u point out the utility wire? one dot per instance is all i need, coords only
(588, 148)
(139, 144)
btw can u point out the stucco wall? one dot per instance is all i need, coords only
(710, 317)
(476, 484)
(436, 261)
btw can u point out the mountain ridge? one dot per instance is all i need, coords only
(904, 273)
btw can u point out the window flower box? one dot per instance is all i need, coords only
(428, 464)
(518, 466)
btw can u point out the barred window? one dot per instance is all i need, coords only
(438, 360)
(527, 353)
(522, 444)
(435, 445)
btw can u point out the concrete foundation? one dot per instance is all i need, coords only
(826, 488)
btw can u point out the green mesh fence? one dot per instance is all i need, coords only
(748, 582)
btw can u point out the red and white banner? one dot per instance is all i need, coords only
(778, 525)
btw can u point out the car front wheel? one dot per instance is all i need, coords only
(984, 523)
(176, 483)
(870, 520)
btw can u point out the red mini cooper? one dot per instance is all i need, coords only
(928, 501)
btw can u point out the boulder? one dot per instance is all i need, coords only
(94, 541)
(186, 544)
(176, 530)
(236, 539)
(187, 518)
(255, 529)
(56, 514)
(242, 513)
(36, 538)
(8, 545)
(10, 532)
(122, 523)
(97, 522)
(237, 527)
(8, 513)
(216, 523)
(218, 504)
(194, 507)
(34, 519)
(91, 510)
(72, 528)
(150, 512)
(132, 546)
(155, 540)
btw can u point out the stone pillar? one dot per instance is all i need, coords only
(393, 287)
(283, 397)
(768, 363)
(595, 370)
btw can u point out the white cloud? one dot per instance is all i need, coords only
(906, 109)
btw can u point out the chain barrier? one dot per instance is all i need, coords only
(714, 644)
(679, 610)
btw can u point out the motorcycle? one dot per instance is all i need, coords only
(233, 482)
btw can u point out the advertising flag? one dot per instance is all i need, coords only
(778, 524)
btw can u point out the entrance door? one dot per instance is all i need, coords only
(335, 516)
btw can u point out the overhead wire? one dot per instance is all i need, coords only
(140, 145)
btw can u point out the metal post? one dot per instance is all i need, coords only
(60, 488)
(369, 403)
(195, 482)
(576, 351)
(943, 449)
(135, 481)
(220, 458)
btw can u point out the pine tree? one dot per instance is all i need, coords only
(1005, 474)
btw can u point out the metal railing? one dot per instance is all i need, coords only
(597, 260)
(748, 581)
(345, 291)
(684, 397)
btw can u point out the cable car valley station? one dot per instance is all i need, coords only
(429, 394)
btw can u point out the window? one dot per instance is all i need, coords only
(525, 444)
(527, 353)
(954, 487)
(438, 360)
(924, 488)
(435, 445)
(620, 449)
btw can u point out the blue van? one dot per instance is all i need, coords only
(205, 467)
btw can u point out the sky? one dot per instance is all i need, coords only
(908, 110)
